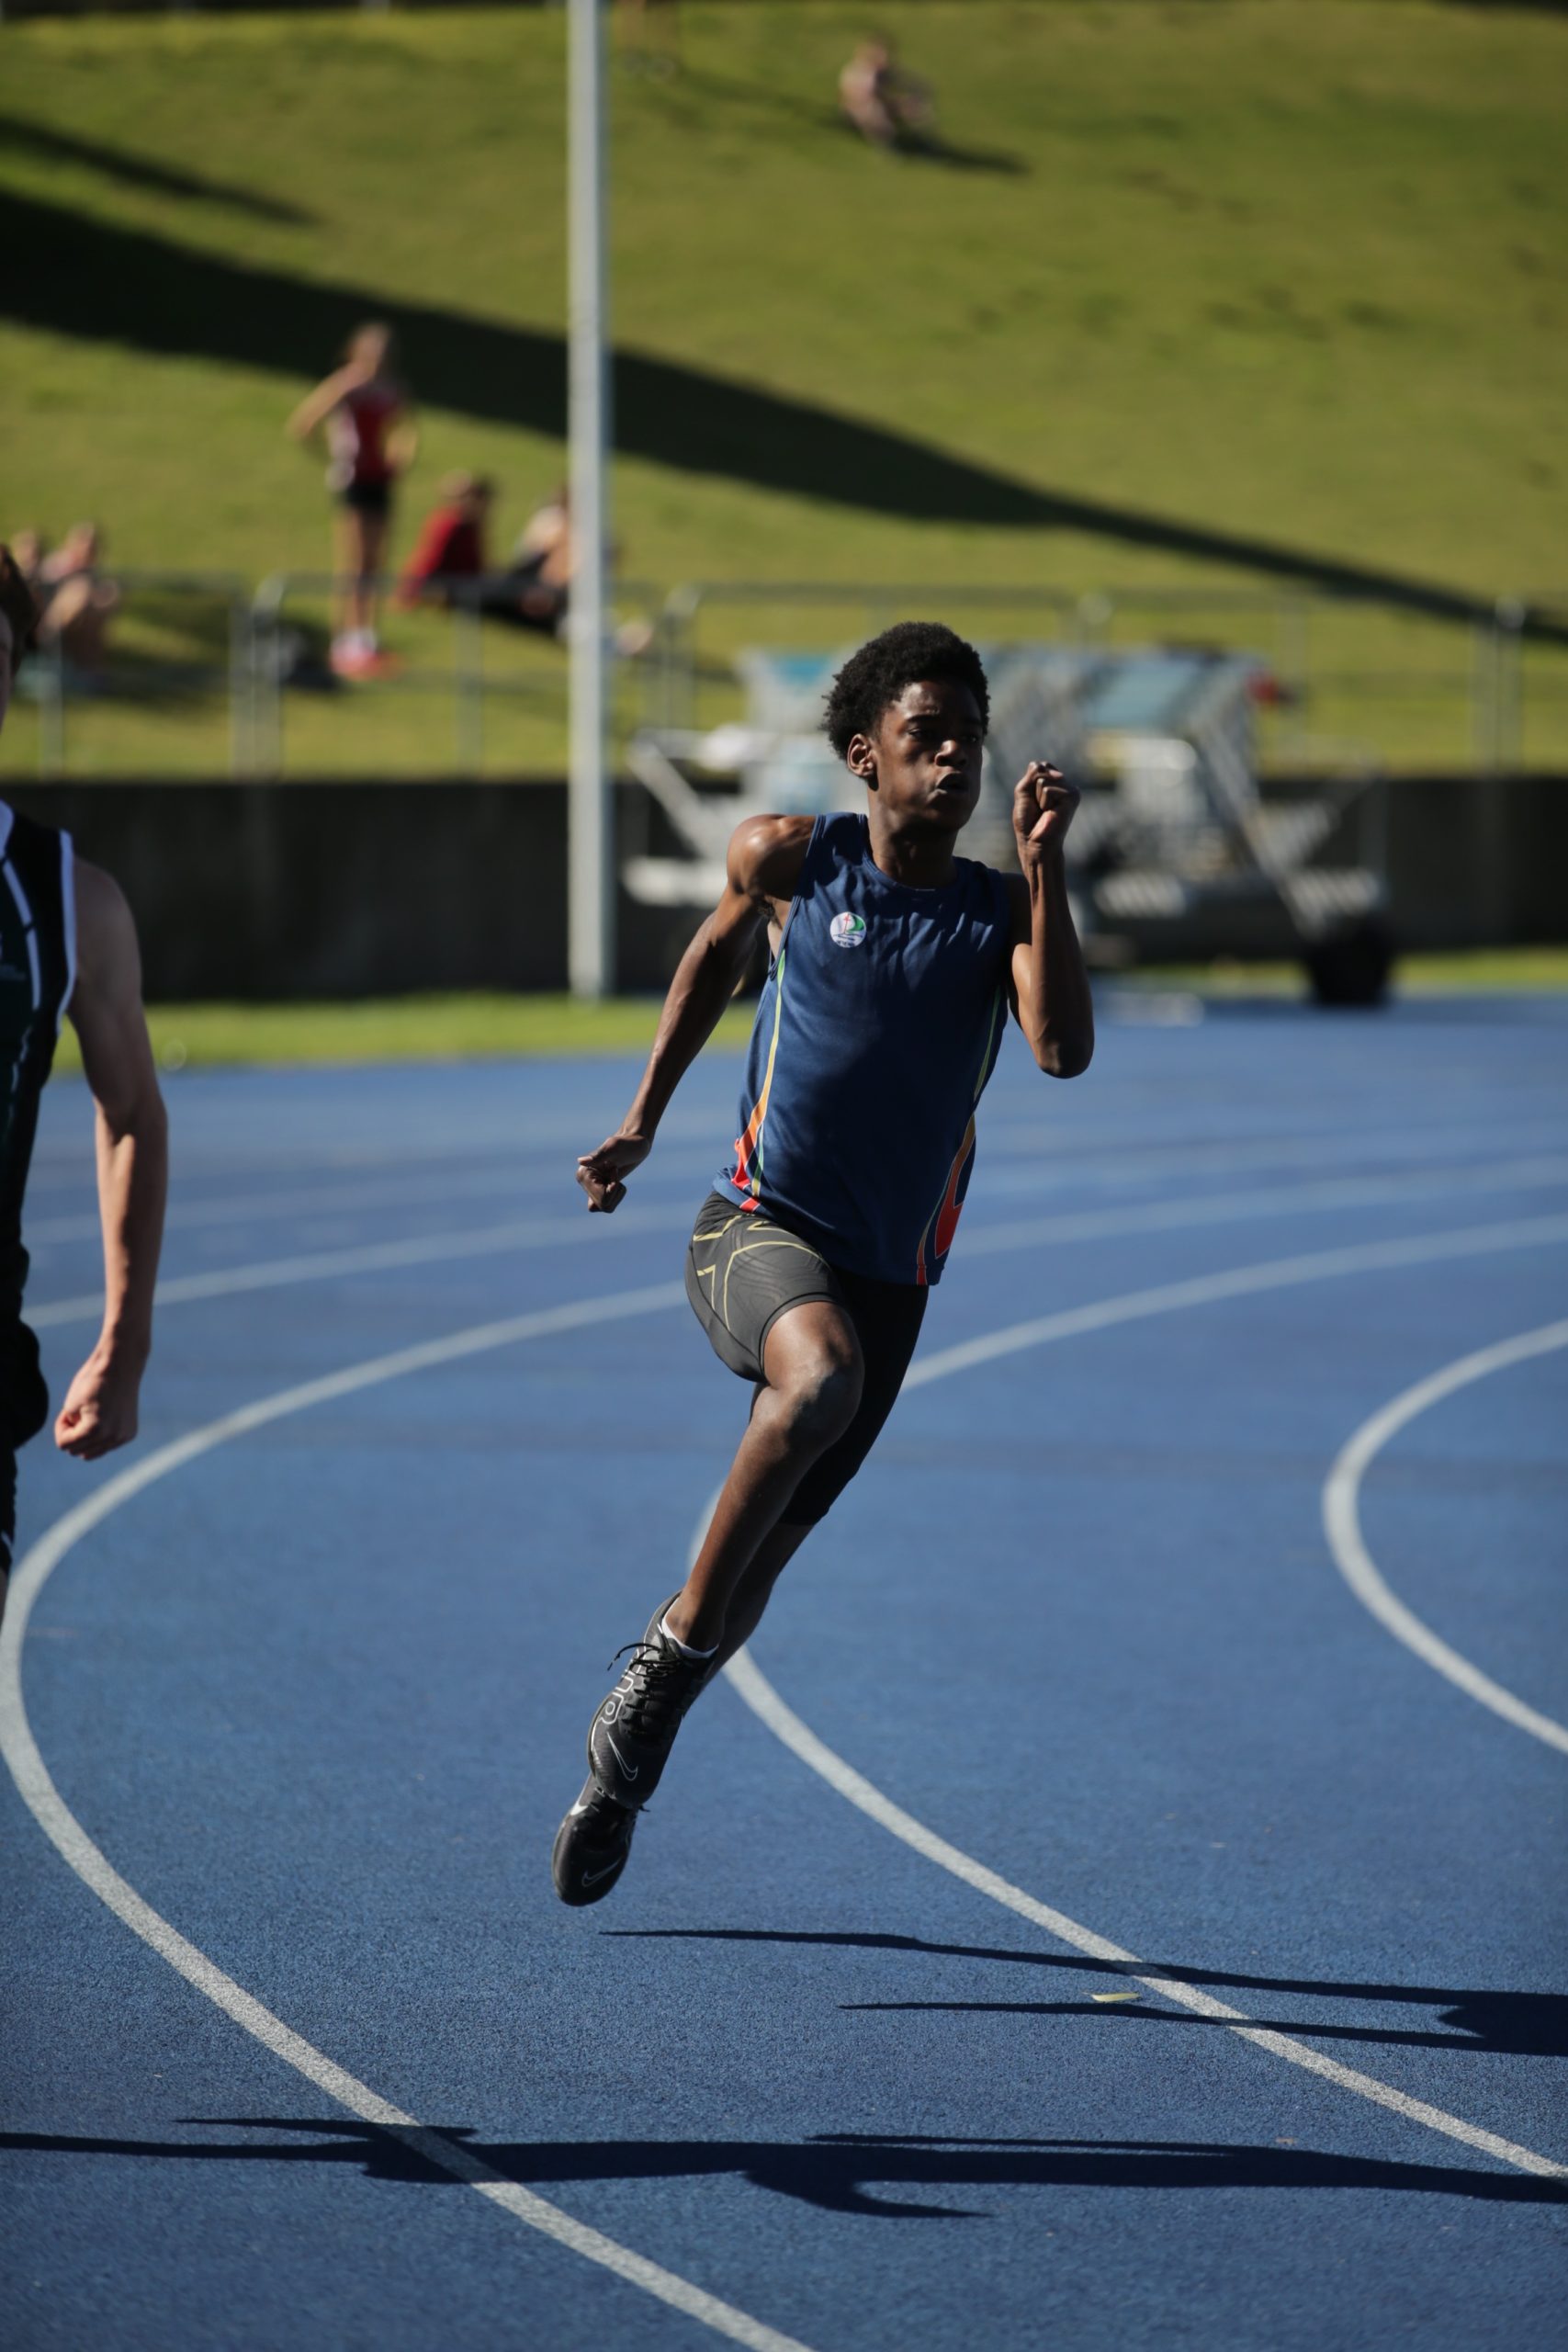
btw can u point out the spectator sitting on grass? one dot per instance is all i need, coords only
(77, 601)
(541, 568)
(886, 105)
(530, 593)
(448, 566)
(536, 586)
(451, 545)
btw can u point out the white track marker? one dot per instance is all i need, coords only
(758, 1694)
(1342, 1525)
(76, 1849)
(70, 1840)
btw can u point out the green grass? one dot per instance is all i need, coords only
(1483, 971)
(416, 1028)
(1284, 269)
(472, 1028)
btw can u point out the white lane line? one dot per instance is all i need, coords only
(1042, 1231)
(352, 1199)
(267, 1208)
(758, 1693)
(1237, 1282)
(1046, 1227)
(66, 1833)
(751, 1686)
(1342, 1525)
(77, 1849)
(1139, 1159)
(370, 1258)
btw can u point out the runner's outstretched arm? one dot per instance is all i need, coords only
(100, 1412)
(1048, 985)
(762, 871)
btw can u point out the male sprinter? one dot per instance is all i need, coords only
(893, 965)
(67, 940)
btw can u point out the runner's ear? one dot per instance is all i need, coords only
(861, 759)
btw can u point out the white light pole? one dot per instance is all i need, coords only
(590, 835)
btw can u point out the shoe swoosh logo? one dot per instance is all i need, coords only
(592, 1877)
(632, 1771)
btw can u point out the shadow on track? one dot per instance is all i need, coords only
(830, 2171)
(1530, 2024)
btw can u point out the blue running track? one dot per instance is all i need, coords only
(1072, 1672)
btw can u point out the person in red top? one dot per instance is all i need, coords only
(367, 420)
(451, 544)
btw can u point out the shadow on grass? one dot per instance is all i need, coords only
(71, 274)
(831, 2171)
(36, 140)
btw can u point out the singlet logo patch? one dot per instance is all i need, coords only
(847, 931)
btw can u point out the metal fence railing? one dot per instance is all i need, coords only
(171, 683)
(203, 675)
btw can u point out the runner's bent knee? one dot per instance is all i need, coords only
(814, 1366)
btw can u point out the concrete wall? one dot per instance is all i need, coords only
(342, 889)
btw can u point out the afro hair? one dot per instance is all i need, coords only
(902, 656)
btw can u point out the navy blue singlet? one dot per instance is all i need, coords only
(38, 971)
(877, 1032)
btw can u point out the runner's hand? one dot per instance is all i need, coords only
(100, 1412)
(601, 1172)
(1043, 807)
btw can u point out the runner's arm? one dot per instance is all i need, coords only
(100, 1412)
(1048, 987)
(762, 871)
(316, 407)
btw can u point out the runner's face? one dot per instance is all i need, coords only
(924, 762)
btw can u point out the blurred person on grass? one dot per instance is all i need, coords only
(535, 592)
(68, 945)
(78, 602)
(888, 107)
(366, 417)
(450, 552)
(651, 36)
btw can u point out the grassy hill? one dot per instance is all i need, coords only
(1203, 292)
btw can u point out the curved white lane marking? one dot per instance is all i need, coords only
(267, 1208)
(757, 1692)
(1237, 1282)
(60, 1824)
(1040, 1144)
(1266, 1201)
(352, 1200)
(752, 1686)
(370, 1258)
(1042, 1230)
(1342, 1525)
(70, 1840)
